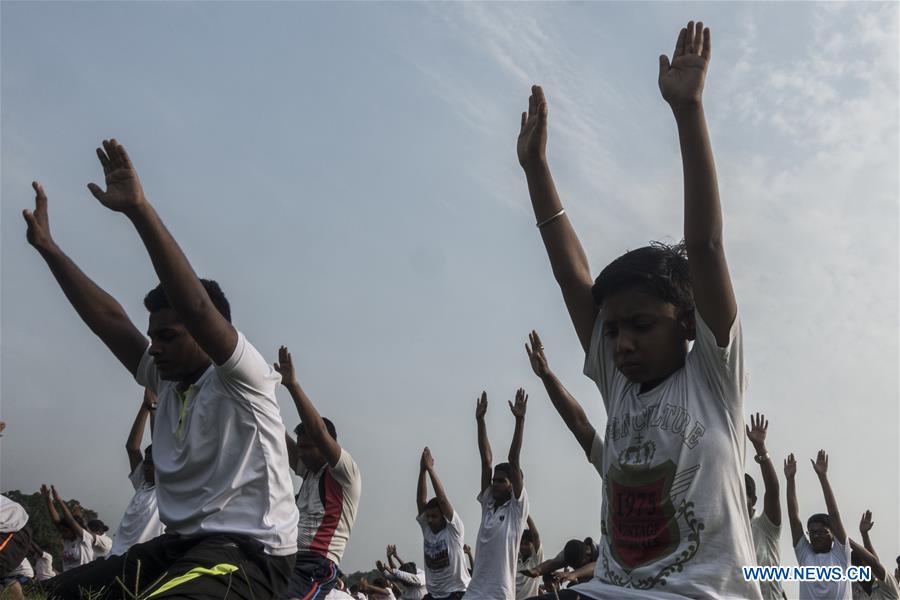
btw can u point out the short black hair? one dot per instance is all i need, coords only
(432, 504)
(328, 425)
(574, 553)
(156, 298)
(409, 567)
(751, 485)
(658, 269)
(506, 468)
(819, 518)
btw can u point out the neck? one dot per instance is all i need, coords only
(192, 377)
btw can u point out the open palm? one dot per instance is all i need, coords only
(681, 81)
(123, 188)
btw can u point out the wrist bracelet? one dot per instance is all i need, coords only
(551, 219)
(761, 458)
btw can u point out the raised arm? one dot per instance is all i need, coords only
(291, 450)
(567, 257)
(868, 558)
(865, 525)
(548, 566)
(568, 408)
(820, 466)
(467, 550)
(391, 552)
(515, 447)
(67, 517)
(51, 509)
(136, 435)
(184, 291)
(484, 444)
(790, 474)
(422, 483)
(440, 494)
(100, 312)
(313, 424)
(757, 436)
(535, 535)
(681, 85)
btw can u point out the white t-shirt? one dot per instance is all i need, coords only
(23, 570)
(140, 523)
(78, 552)
(839, 556)
(336, 594)
(327, 505)
(102, 545)
(881, 590)
(43, 567)
(526, 586)
(498, 547)
(765, 539)
(445, 562)
(412, 587)
(12, 516)
(674, 513)
(221, 462)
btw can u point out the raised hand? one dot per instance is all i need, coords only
(55, 493)
(481, 406)
(392, 550)
(467, 549)
(38, 232)
(123, 188)
(866, 522)
(790, 466)
(820, 466)
(45, 491)
(518, 409)
(285, 367)
(532, 144)
(681, 82)
(380, 566)
(756, 431)
(427, 462)
(536, 355)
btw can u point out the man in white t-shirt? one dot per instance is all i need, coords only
(443, 534)
(531, 554)
(102, 543)
(504, 510)
(329, 495)
(578, 555)
(827, 543)
(140, 522)
(766, 527)
(408, 578)
(224, 489)
(882, 585)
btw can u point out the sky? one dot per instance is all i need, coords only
(348, 173)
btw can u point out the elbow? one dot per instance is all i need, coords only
(709, 245)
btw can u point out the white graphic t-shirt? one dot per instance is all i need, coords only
(445, 562)
(78, 552)
(498, 547)
(839, 556)
(674, 515)
(765, 539)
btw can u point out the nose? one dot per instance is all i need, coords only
(154, 349)
(624, 342)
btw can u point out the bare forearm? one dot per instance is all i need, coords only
(484, 444)
(421, 491)
(54, 516)
(794, 511)
(515, 446)
(441, 494)
(312, 421)
(570, 410)
(867, 542)
(135, 436)
(702, 211)
(833, 513)
(771, 500)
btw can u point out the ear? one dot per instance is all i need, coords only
(689, 325)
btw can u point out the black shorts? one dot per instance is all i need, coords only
(453, 596)
(13, 548)
(314, 576)
(210, 567)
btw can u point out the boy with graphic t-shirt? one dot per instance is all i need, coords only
(141, 522)
(328, 498)
(827, 544)
(224, 490)
(531, 554)
(446, 573)
(766, 528)
(673, 516)
(504, 510)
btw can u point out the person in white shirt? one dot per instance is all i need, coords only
(405, 575)
(766, 527)
(504, 510)
(673, 512)
(378, 589)
(881, 586)
(827, 543)
(43, 563)
(78, 542)
(224, 489)
(102, 543)
(579, 555)
(531, 554)
(328, 498)
(446, 573)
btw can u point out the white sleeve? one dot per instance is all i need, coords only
(722, 368)
(136, 477)
(456, 525)
(599, 363)
(146, 375)
(596, 455)
(802, 551)
(247, 372)
(345, 472)
(102, 544)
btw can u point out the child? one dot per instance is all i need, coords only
(674, 516)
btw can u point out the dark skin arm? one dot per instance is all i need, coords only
(681, 84)
(391, 552)
(484, 444)
(548, 566)
(103, 315)
(567, 258)
(133, 443)
(313, 425)
(757, 436)
(291, 450)
(186, 294)
(51, 509)
(790, 473)
(422, 486)
(569, 409)
(820, 466)
(440, 494)
(865, 525)
(515, 447)
(869, 559)
(67, 517)
(536, 536)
